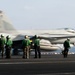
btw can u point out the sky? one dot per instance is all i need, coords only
(40, 14)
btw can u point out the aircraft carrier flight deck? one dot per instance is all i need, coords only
(46, 65)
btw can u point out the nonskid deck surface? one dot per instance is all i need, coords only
(44, 59)
(46, 65)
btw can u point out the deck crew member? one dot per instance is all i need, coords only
(26, 47)
(66, 47)
(8, 47)
(37, 47)
(2, 45)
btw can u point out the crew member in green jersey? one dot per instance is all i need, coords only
(8, 47)
(26, 47)
(2, 45)
(66, 47)
(37, 47)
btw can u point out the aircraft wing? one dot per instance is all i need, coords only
(57, 39)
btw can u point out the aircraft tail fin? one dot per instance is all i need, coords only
(5, 23)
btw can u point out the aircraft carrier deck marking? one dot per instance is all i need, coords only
(36, 62)
(70, 73)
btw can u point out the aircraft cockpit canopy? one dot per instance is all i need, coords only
(70, 30)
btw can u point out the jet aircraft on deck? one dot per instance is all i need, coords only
(48, 38)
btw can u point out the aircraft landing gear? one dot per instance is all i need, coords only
(15, 51)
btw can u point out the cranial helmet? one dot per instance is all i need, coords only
(26, 36)
(68, 39)
(36, 36)
(2, 35)
(8, 37)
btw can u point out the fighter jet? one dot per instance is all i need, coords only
(48, 38)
